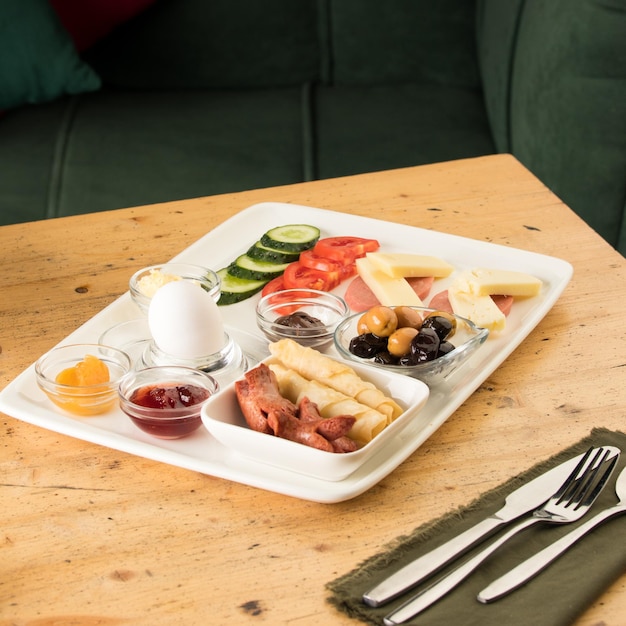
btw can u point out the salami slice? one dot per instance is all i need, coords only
(440, 302)
(359, 297)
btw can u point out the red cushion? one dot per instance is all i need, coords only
(88, 21)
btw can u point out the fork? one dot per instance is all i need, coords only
(570, 502)
(539, 561)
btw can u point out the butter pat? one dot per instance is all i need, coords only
(398, 265)
(485, 282)
(389, 291)
(481, 310)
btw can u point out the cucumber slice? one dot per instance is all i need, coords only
(262, 253)
(291, 238)
(251, 269)
(235, 289)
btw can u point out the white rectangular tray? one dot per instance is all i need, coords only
(23, 400)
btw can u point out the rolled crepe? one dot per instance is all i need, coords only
(330, 403)
(314, 365)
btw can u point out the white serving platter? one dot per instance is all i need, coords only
(200, 452)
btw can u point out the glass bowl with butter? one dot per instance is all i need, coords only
(144, 283)
(415, 341)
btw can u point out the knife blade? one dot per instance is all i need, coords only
(523, 500)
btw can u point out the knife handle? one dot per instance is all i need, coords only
(529, 568)
(441, 587)
(415, 572)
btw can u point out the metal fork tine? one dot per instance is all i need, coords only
(589, 496)
(587, 478)
(573, 477)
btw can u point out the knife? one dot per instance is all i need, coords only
(523, 500)
(523, 572)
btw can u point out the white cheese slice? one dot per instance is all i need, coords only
(481, 310)
(484, 282)
(399, 264)
(389, 291)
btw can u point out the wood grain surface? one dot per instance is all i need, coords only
(91, 536)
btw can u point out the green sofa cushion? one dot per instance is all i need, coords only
(568, 105)
(403, 41)
(368, 128)
(227, 44)
(151, 147)
(38, 61)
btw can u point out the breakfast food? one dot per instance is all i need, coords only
(389, 290)
(267, 411)
(470, 294)
(265, 261)
(313, 365)
(151, 282)
(152, 406)
(403, 265)
(399, 336)
(360, 297)
(368, 422)
(90, 371)
(185, 321)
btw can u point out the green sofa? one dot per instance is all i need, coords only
(197, 97)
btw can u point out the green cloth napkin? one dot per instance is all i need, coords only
(557, 596)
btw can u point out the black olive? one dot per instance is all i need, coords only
(385, 358)
(367, 346)
(440, 324)
(425, 345)
(445, 347)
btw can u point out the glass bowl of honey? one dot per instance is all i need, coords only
(82, 379)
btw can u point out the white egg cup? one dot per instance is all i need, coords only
(226, 365)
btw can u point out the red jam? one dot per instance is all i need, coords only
(174, 397)
(165, 400)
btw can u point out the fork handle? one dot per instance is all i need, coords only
(431, 594)
(529, 568)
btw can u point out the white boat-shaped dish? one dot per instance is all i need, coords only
(201, 452)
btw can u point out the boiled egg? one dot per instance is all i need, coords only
(185, 321)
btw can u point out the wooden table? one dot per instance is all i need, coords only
(95, 536)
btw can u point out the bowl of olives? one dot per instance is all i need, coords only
(416, 341)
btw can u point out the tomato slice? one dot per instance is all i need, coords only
(298, 276)
(345, 249)
(276, 284)
(309, 258)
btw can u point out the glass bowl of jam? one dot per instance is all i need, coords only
(165, 401)
(307, 316)
(82, 379)
(424, 343)
(144, 283)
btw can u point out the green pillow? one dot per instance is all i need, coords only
(38, 61)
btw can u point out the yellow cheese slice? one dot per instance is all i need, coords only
(389, 291)
(399, 264)
(485, 282)
(481, 310)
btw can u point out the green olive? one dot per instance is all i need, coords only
(408, 317)
(380, 321)
(399, 343)
(361, 326)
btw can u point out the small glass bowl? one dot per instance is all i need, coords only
(81, 400)
(206, 277)
(467, 338)
(326, 307)
(157, 420)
